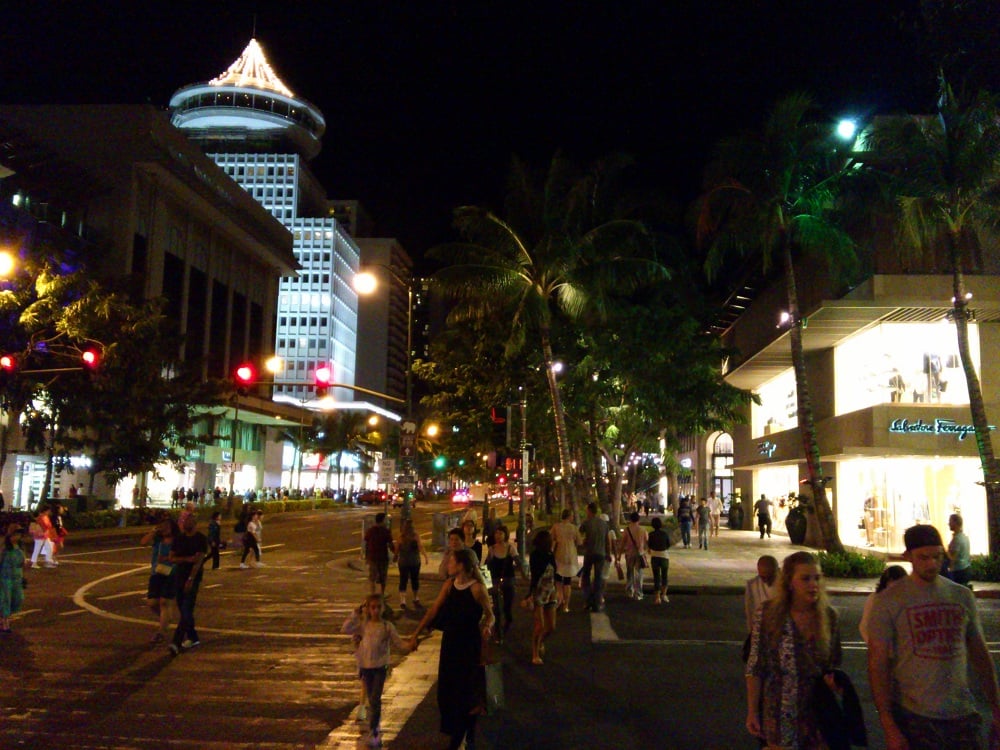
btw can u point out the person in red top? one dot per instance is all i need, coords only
(378, 547)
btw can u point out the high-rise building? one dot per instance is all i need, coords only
(263, 136)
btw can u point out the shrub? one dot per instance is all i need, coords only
(850, 565)
(985, 567)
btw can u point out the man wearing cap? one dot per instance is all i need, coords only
(924, 633)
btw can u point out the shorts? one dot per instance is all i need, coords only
(160, 587)
(378, 572)
(565, 580)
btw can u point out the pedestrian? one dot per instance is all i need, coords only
(715, 513)
(409, 551)
(378, 548)
(763, 510)
(160, 591)
(215, 539)
(566, 540)
(795, 639)
(189, 510)
(703, 516)
(543, 595)
(758, 590)
(890, 577)
(685, 517)
(40, 529)
(597, 547)
(659, 559)
(959, 562)
(634, 546)
(454, 542)
(187, 553)
(252, 539)
(12, 568)
(471, 540)
(58, 533)
(923, 636)
(490, 524)
(502, 562)
(373, 637)
(463, 612)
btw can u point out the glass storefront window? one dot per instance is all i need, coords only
(879, 498)
(777, 483)
(913, 363)
(778, 405)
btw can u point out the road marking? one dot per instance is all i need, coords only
(140, 592)
(80, 599)
(73, 612)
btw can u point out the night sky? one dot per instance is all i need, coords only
(426, 102)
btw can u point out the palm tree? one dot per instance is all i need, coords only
(770, 195)
(948, 199)
(339, 433)
(559, 251)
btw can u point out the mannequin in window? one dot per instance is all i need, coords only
(897, 387)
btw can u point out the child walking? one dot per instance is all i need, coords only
(373, 636)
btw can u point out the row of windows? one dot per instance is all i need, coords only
(320, 345)
(312, 278)
(322, 258)
(313, 322)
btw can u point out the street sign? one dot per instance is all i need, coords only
(386, 470)
(405, 482)
(408, 439)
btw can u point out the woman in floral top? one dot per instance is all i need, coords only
(795, 640)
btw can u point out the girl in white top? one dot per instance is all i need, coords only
(372, 637)
(252, 538)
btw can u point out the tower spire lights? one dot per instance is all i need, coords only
(252, 69)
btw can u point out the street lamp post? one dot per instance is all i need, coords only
(366, 283)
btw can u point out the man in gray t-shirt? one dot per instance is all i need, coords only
(596, 552)
(923, 635)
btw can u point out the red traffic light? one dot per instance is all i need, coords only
(90, 358)
(8, 362)
(245, 374)
(323, 377)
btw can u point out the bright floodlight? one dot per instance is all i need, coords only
(846, 129)
(364, 282)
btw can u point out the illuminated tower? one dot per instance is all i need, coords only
(263, 136)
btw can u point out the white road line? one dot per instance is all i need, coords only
(140, 592)
(80, 599)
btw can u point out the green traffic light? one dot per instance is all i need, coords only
(461, 462)
(439, 462)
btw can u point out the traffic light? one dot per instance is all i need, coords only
(439, 462)
(246, 376)
(90, 358)
(8, 362)
(323, 378)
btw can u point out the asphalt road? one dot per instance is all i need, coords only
(273, 671)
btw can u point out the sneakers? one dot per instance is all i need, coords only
(188, 644)
(244, 566)
(174, 649)
(260, 564)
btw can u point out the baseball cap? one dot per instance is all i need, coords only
(921, 535)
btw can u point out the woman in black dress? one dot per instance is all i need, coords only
(463, 613)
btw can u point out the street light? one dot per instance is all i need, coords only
(364, 283)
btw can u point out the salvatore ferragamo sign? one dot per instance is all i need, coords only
(934, 427)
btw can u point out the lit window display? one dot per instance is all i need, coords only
(912, 363)
(778, 405)
(879, 498)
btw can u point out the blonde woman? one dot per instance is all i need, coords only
(794, 640)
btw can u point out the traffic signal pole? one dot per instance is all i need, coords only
(521, 520)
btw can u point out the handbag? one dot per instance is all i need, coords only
(163, 569)
(619, 571)
(493, 679)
